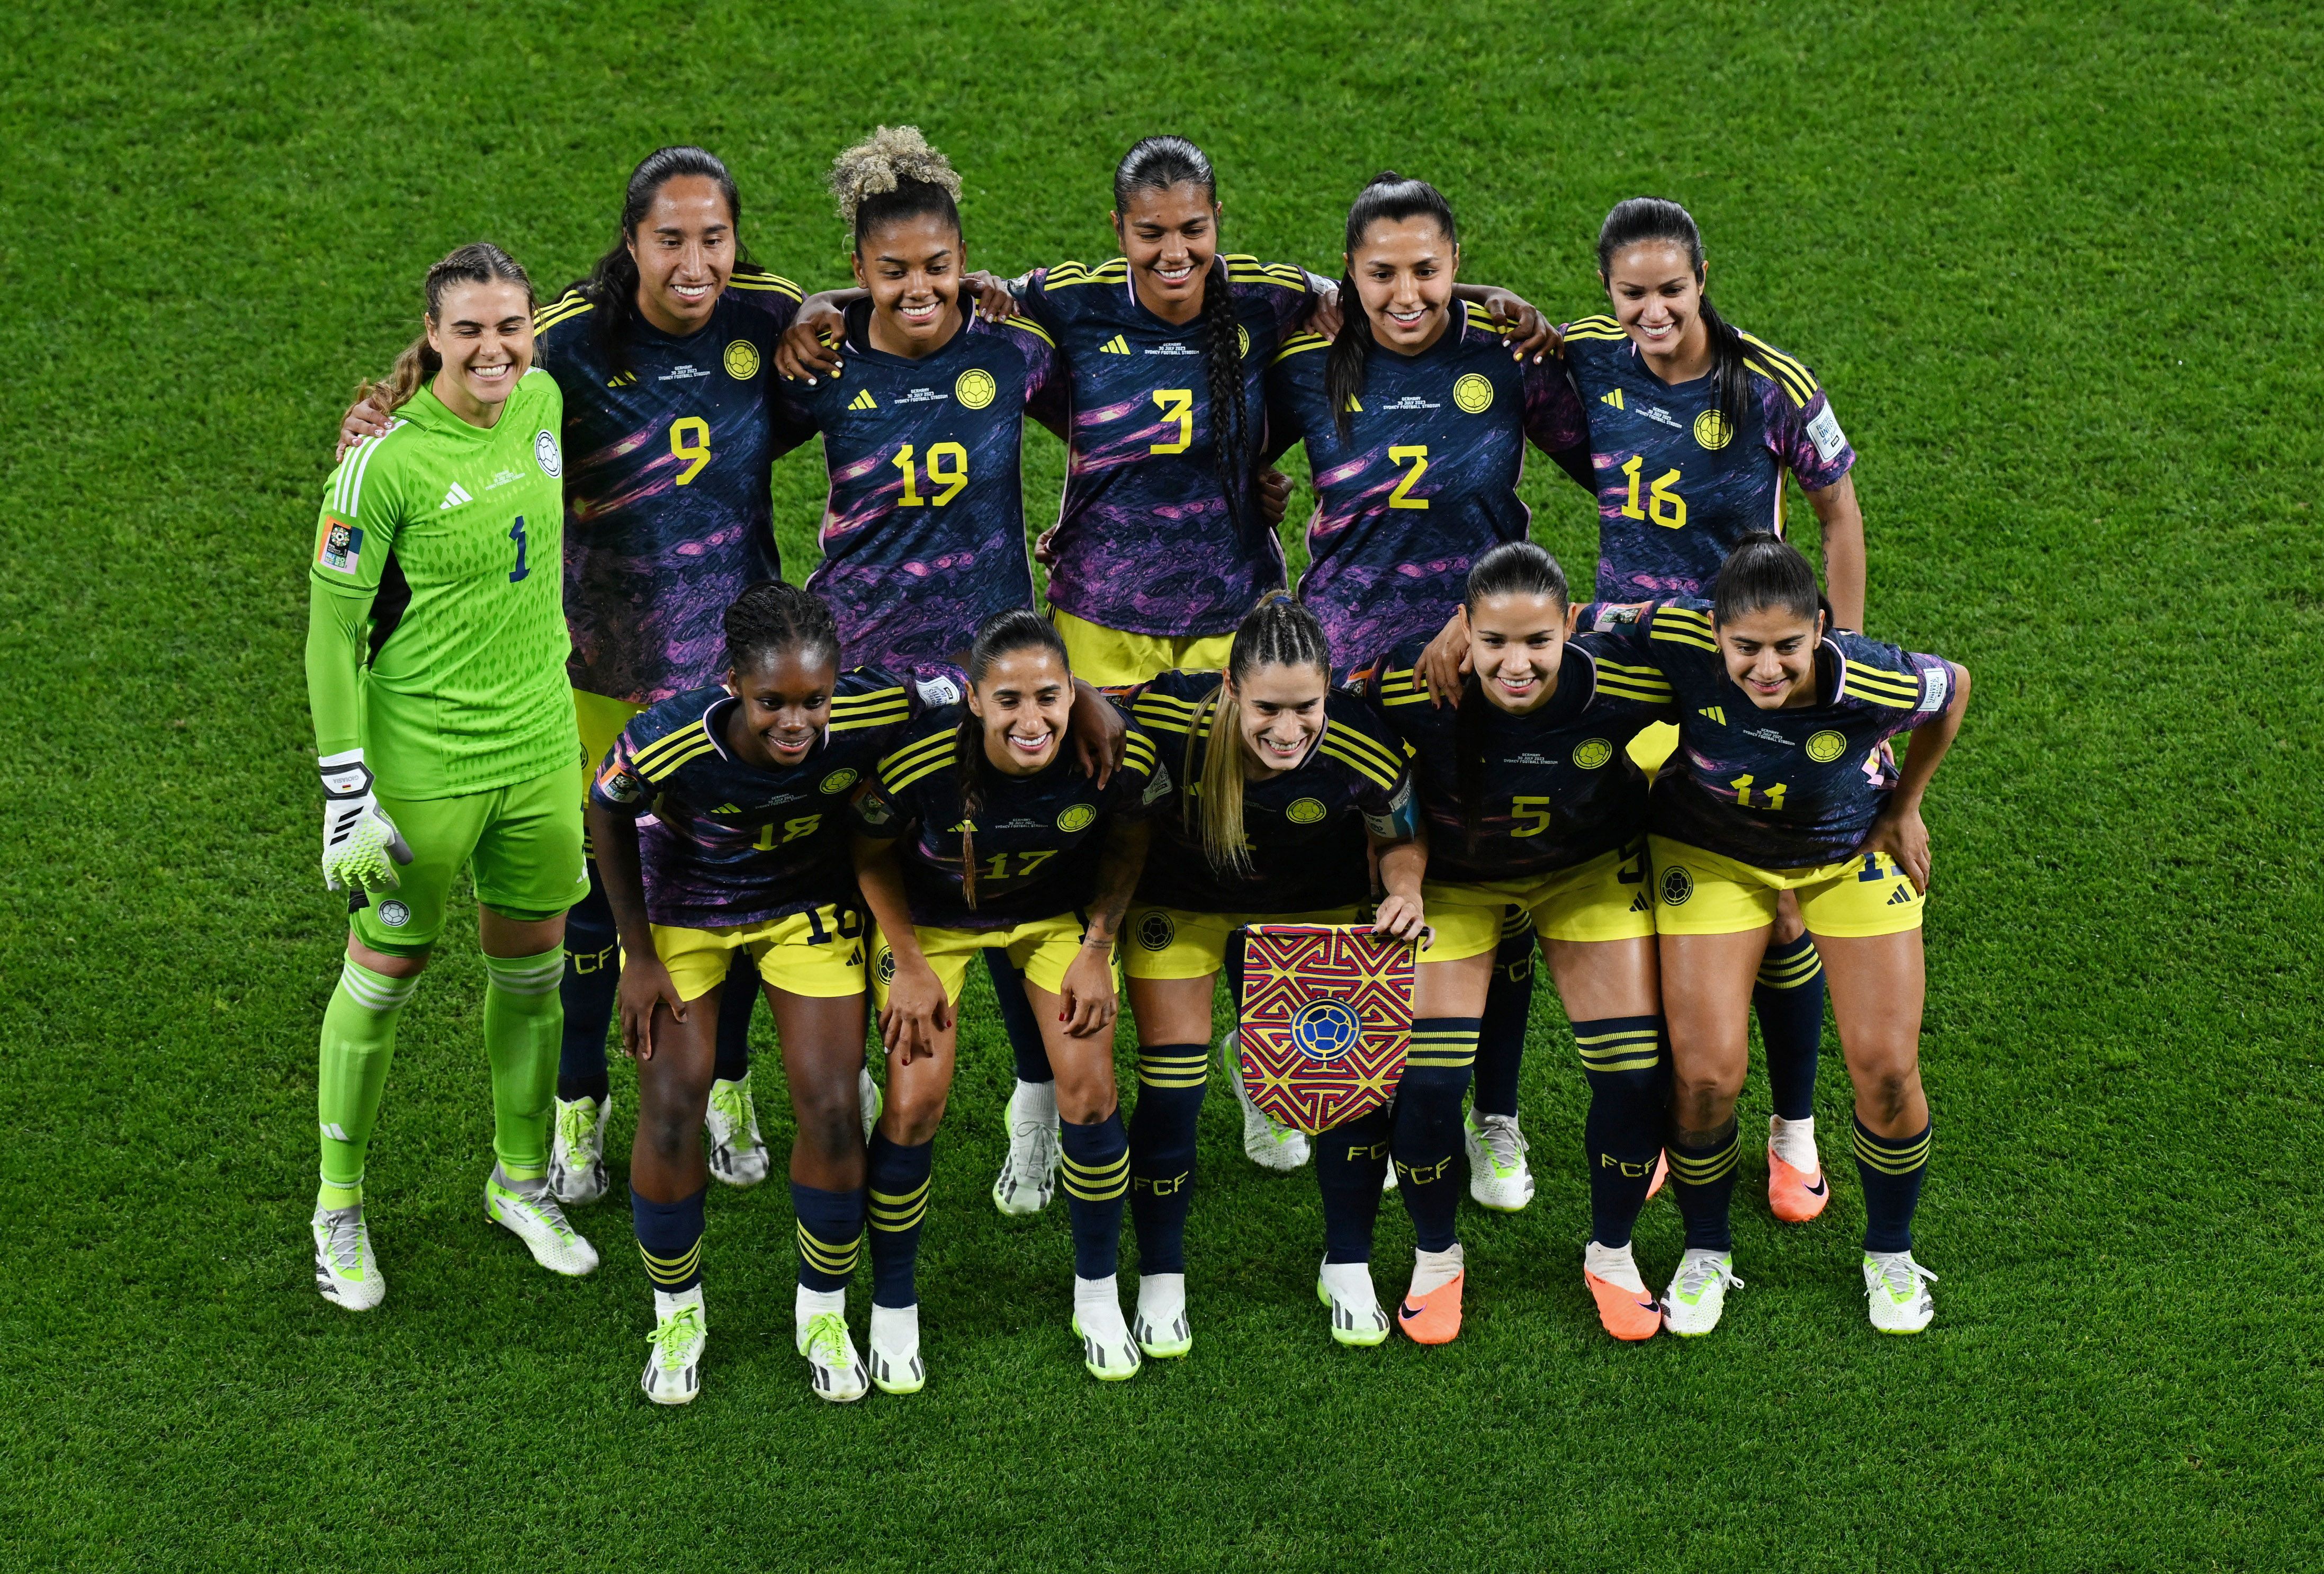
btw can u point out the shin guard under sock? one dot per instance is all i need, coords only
(830, 1235)
(1425, 1134)
(1789, 1000)
(524, 1020)
(358, 1041)
(1350, 1160)
(897, 1179)
(1890, 1169)
(592, 982)
(669, 1239)
(1623, 1062)
(1095, 1170)
(1170, 1078)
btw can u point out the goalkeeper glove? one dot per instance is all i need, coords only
(360, 846)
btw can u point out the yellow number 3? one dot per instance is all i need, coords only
(1176, 405)
(690, 440)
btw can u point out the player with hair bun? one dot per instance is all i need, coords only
(435, 636)
(1279, 783)
(1784, 781)
(981, 832)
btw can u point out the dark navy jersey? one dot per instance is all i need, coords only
(729, 843)
(1775, 789)
(1558, 786)
(1037, 839)
(1426, 482)
(1145, 543)
(924, 534)
(666, 460)
(1304, 828)
(1677, 490)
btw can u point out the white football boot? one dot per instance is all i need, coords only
(1028, 1175)
(576, 1149)
(895, 1349)
(1107, 1349)
(527, 1211)
(737, 1153)
(1346, 1289)
(1499, 1178)
(681, 1328)
(1698, 1291)
(1265, 1140)
(835, 1371)
(345, 1272)
(1160, 1326)
(1897, 1289)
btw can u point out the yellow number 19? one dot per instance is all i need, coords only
(947, 467)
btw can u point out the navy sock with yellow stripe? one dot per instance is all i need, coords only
(669, 1239)
(1096, 1174)
(1501, 1031)
(1623, 1061)
(1170, 1078)
(593, 976)
(1789, 1000)
(1703, 1177)
(1350, 1160)
(1892, 1170)
(830, 1235)
(896, 1181)
(1424, 1137)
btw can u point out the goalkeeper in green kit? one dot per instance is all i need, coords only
(436, 647)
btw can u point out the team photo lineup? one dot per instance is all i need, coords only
(1364, 811)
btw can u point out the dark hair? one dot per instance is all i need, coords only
(772, 615)
(894, 174)
(1016, 628)
(1646, 219)
(611, 286)
(1277, 632)
(1517, 568)
(1156, 164)
(477, 263)
(1764, 570)
(1391, 197)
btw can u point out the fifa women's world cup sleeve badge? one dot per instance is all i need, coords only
(342, 547)
(1327, 1021)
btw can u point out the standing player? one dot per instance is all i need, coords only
(1784, 781)
(663, 355)
(434, 641)
(747, 784)
(1529, 799)
(1279, 783)
(980, 833)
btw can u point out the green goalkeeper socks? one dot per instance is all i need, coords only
(358, 1041)
(524, 1023)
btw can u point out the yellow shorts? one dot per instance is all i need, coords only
(1169, 942)
(1701, 893)
(600, 721)
(818, 953)
(1604, 898)
(1114, 658)
(1041, 949)
(1655, 744)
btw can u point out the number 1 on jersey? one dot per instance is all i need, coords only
(516, 535)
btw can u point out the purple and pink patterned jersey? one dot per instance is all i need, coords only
(1145, 543)
(1789, 789)
(924, 532)
(1425, 482)
(1676, 490)
(667, 460)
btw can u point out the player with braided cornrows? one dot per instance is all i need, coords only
(435, 650)
(1279, 783)
(1785, 781)
(720, 822)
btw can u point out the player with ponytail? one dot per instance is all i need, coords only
(1280, 783)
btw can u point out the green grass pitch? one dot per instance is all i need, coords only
(2058, 267)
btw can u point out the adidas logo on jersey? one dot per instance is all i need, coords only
(1901, 897)
(1639, 903)
(863, 401)
(1614, 399)
(1116, 346)
(1716, 713)
(455, 497)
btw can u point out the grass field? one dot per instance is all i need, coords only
(2059, 270)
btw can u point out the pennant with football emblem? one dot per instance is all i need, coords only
(1327, 1021)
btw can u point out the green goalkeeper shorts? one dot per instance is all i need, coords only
(522, 844)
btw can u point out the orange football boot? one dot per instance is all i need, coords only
(1662, 1173)
(1627, 1314)
(1437, 1318)
(1794, 1195)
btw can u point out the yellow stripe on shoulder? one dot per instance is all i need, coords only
(677, 738)
(667, 765)
(1754, 362)
(564, 311)
(1878, 697)
(1364, 764)
(1479, 317)
(897, 782)
(1349, 737)
(760, 278)
(934, 743)
(1788, 363)
(1299, 343)
(888, 695)
(1023, 324)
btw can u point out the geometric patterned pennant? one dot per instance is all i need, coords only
(1326, 1016)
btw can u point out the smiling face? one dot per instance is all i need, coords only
(483, 332)
(685, 251)
(1517, 643)
(786, 706)
(1024, 701)
(1404, 271)
(912, 267)
(1280, 713)
(1169, 234)
(1770, 653)
(1657, 298)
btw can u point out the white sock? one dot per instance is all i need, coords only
(1033, 1104)
(1161, 1298)
(896, 1331)
(1433, 1270)
(1350, 1284)
(808, 1305)
(665, 1303)
(1097, 1303)
(1793, 1142)
(1614, 1265)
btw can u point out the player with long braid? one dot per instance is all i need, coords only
(1279, 780)
(435, 650)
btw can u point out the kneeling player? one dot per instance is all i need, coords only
(1785, 782)
(1530, 802)
(1279, 779)
(983, 832)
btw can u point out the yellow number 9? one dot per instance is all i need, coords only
(690, 440)
(952, 479)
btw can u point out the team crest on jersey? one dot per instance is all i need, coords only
(742, 360)
(886, 966)
(1075, 817)
(1243, 339)
(342, 549)
(1305, 812)
(393, 914)
(1712, 430)
(1473, 393)
(544, 448)
(1591, 752)
(839, 781)
(1156, 930)
(976, 388)
(1825, 748)
(1677, 886)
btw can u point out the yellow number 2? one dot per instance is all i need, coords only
(1418, 454)
(690, 440)
(1176, 405)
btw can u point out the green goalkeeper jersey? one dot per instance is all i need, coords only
(437, 642)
